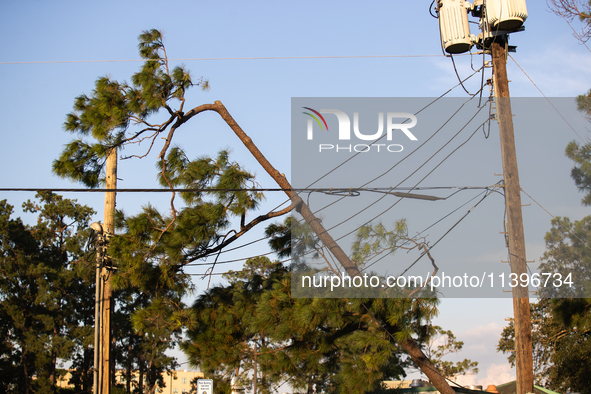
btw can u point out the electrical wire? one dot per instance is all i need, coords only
(358, 153)
(374, 189)
(222, 58)
(540, 90)
(169, 190)
(398, 163)
(392, 206)
(268, 253)
(554, 217)
(389, 208)
(433, 224)
(458, 75)
(446, 233)
(413, 173)
(436, 16)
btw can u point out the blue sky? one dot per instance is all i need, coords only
(36, 96)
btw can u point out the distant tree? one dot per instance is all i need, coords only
(332, 345)
(339, 345)
(117, 113)
(581, 172)
(222, 340)
(441, 343)
(45, 286)
(560, 351)
(579, 153)
(561, 324)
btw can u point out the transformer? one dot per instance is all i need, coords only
(506, 15)
(454, 27)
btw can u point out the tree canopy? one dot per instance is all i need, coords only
(334, 345)
(46, 293)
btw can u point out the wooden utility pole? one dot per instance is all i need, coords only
(521, 311)
(107, 364)
(97, 307)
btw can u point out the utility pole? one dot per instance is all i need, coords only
(521, 311)
(97, 307)
(107, 364)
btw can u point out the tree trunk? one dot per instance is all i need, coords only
(141, 377)
(53, 361)
(25, 387)
(426, 367)
(128, 368)
(254, 376)
(409, 345)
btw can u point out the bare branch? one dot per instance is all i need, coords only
(243, 231)
(571, 9)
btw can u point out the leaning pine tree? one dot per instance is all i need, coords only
(118, 114)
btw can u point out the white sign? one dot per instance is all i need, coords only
(204, 386)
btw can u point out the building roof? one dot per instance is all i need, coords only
(511, 388)
(403, 387)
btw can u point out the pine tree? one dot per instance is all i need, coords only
(44, 288)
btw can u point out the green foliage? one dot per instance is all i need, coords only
(581, 154)
(560, 350)
(436, 351)
(232, 182)
(335, 345)
(116, 113)
(46, 293)
(151, 250)
(221, 341)
(581, 172)
(561, 325)
(373, 240)
(260, 266)
(280, 237)
(568, 251)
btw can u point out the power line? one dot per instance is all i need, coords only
(321, 189)
(392, 206)
(416, 170)
(554, 217)
(223, 58)
(406, 157)
(436, 222)
(422, 109)
(540, 90)
(447, 232)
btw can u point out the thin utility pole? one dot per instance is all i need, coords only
(521, 311)
(107, 364)
(97, 312)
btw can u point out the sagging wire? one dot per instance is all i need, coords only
(448, 231)
(418, 235)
